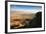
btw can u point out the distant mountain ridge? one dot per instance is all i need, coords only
(22, 14)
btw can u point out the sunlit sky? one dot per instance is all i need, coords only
(25, 8)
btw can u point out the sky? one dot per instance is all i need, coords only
(25, 8)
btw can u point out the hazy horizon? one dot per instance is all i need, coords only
(25, 8)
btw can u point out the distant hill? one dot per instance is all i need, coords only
(21, 12)
(28, 15)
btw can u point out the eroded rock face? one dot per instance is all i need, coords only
(17, 23)
(18, 20)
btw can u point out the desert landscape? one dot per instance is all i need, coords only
(25, 20)
(20, 18)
